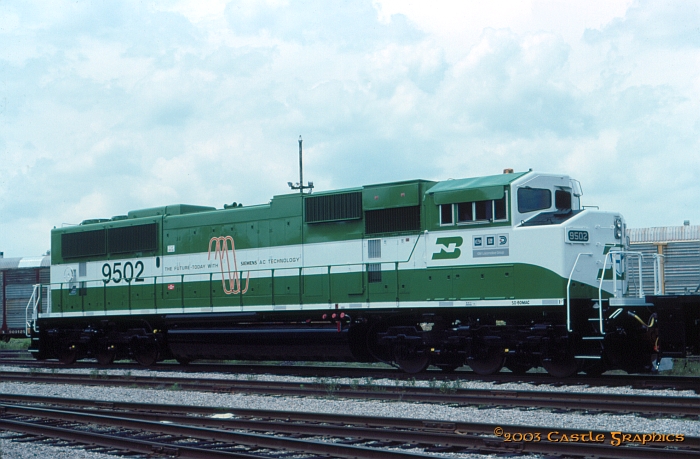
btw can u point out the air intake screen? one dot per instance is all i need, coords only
(334, 207)
(141, 238)
(83, 244)
(392, 220)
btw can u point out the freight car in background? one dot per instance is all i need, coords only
(17, 278)
(507, 269)
(679, 260)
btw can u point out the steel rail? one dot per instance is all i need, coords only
(433, 425)
(436, 431)
(671, 405)
(116, 442)
(209, 434)
(645, 381)
(448, 435)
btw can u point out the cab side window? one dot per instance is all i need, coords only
(491, 210)
(562, 200)
(532, 199)
(465, 212)
(446, 214)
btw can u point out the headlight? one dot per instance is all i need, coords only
(618, 228)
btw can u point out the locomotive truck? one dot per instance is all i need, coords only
(507, 269)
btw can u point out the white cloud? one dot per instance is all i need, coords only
(105, 108)
(456, 25)
(195, 12)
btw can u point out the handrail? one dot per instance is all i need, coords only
(640, 290)
(610, 255)
(568, 292)
(361, 265)
(640, 257)
(34, 302)
(258, 269)
(180, 279)
(600, 293)
(658, 288)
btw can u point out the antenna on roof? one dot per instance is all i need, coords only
(300, 186)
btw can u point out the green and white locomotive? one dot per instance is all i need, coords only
(500, 270)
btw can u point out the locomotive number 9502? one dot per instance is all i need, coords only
(578, 236)
(117, 273)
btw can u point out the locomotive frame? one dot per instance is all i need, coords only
(505, 269)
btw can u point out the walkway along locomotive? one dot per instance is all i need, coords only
(505, 269)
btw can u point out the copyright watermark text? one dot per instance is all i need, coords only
(614, 438)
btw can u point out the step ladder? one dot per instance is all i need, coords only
(617, 261)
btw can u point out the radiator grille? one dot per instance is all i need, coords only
(129, 239)
(334, 207)
(394, 220)
(84, 244)
(141, 238)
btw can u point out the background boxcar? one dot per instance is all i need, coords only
(680, 250)
(17, 279)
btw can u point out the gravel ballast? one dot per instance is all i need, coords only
(331, 404)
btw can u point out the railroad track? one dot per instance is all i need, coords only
(14, 354)
(374, 372)
(444, 393)
(195, 432)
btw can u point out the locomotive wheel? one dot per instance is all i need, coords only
(414, 364)
(105, 356)
(68, 355)
(411, 360)
(561, 367)
(488, 363)
(146, 356)
(145, 352)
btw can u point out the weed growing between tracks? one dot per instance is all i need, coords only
(98, 374)
(370, 383)
(684, 367)
(15, 345)
(328, 384)
(450, 387)
(332, 386)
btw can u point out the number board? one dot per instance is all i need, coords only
(576, 235)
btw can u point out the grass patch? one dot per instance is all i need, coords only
(15, 344)
(684, 367)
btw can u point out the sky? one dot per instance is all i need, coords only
(107, 107)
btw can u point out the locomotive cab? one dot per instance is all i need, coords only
(553, 196)
(534, 271)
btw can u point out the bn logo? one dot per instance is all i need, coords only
(449, 248)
